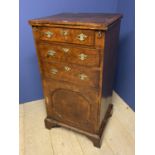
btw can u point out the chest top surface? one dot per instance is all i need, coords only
(89, 20)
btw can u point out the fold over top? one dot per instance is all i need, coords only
(100, 21)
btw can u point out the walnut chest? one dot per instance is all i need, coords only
(77, 59)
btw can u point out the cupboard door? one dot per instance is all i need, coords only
(73, 106)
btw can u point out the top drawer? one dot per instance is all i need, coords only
(76, 36)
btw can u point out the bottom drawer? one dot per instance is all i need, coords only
(74, 106)
(71, 73)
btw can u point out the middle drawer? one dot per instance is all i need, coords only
(69, 54)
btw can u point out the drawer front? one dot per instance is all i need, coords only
(69, 54)
(76, 36)
(71, 73)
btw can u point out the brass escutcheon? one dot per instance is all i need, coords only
(67, 68)
(81, 37)
(66, 50)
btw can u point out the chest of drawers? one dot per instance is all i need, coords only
(77, 58)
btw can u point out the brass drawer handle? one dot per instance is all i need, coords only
(51, 53)
(67, 68)
(81, 37)
(83, 76)
(54, 71)
(66, 50)
(49, 34)
(83, 56)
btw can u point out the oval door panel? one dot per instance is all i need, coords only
(70, 106)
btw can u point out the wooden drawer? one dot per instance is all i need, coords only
(76, 36)
(71, 73)
(69, 54)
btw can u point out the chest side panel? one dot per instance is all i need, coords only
(109, 67)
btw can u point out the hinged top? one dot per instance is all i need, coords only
(82, 20)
